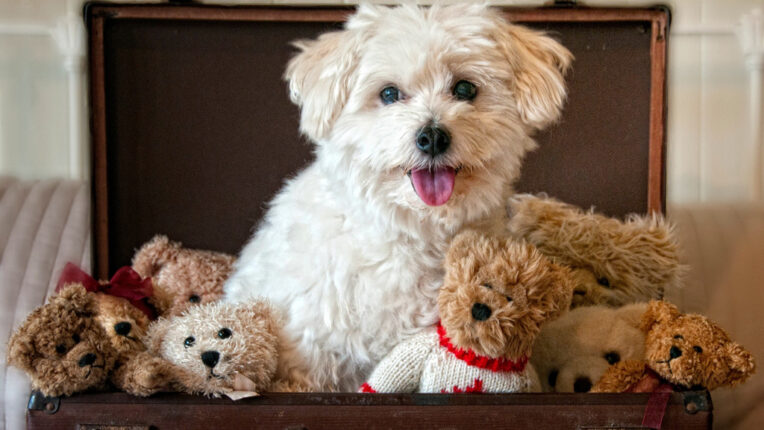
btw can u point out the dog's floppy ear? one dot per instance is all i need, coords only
(321, 75)
(539, 64)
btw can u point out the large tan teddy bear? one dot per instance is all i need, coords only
(614, 262)
(184, 277)
(495, 297)
(573, 352)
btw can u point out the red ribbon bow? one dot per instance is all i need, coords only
(126, 283)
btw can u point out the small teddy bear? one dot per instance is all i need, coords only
(221, 348)
(185, 277)
(495, 296)
(613, 262)
(573, 352)
(682, 351)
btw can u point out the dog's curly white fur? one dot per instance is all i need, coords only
(348, 249)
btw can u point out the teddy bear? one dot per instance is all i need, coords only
(573, 352)
(64, 349)
(614, 262)
(495, 296)
(222, 348)
(682, 351)
(184, 277)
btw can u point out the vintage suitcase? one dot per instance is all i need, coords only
(193, 132)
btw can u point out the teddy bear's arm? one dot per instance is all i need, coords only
(620, 376)
(401, 369)
(144, 375)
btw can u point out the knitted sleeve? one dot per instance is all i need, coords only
(401, 369)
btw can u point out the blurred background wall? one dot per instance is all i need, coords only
(712, 156)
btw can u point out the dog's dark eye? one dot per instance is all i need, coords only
(678, 336)
(552, 379)
(194, 299)
(76, 338)
(612, 357)
(464, 90)
(509, 299)
(224, 333)
(698, 349)
(604, 282)
(390, 95)
(489, 286)
(189, 342)
(61, 348)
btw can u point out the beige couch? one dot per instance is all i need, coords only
(45, 224)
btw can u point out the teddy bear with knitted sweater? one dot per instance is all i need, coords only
(495, 296)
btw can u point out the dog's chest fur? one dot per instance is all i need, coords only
(349, 289)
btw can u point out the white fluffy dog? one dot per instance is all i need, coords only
(421, 118)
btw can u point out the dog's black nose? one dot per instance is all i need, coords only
(675, 352)
(480, 312)
(433, 140)
(210, 358)
(87, 359)
(582, 385)
(123, 328)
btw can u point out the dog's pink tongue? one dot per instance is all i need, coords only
(434, 186)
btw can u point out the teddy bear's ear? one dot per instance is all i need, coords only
(467, 244)
(21, 351)
(156, 334)
(559, 293)
(75, 298)
(154, 254)
(658, 311)
(259, 313)
(740, 361)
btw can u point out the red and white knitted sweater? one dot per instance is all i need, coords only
(429, 363)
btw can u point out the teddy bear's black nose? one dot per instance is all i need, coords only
(433, 140)
(210, 358)
(582, 385)
(675, 352)
(123, 328)
(87, 359)
(480, 312)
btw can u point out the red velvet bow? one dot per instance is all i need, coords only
(126, 283)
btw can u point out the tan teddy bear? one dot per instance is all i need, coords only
(614, 262)
(184, 277)
(682, 351)
(495, 296)
(574, 351)
(221, 348)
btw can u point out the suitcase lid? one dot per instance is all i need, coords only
(193, 132)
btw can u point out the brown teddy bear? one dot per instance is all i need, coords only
(573, 352)
(495, 296)
(614, 262)
(184, 277)
(221, 348)
(682, 351)
(64, 349)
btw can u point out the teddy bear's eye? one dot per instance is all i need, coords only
(509, 299)
(61, 348)
(76, 338)
(189, 342)
(194, 298)
(604, 282)
(678, 336)
(489, 286)
(224, 333)
(552, 379)
(612, 357)
(698, 349)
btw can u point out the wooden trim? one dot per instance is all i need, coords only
(656, 186)
(100, 185)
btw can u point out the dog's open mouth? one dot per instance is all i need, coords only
(434, 185)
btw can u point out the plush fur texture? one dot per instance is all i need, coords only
(573, 352)
(614, 262)
(244, 338)
(686, 350)
(521, 287)
(64, 348)
(183, 277)
(348, 250)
